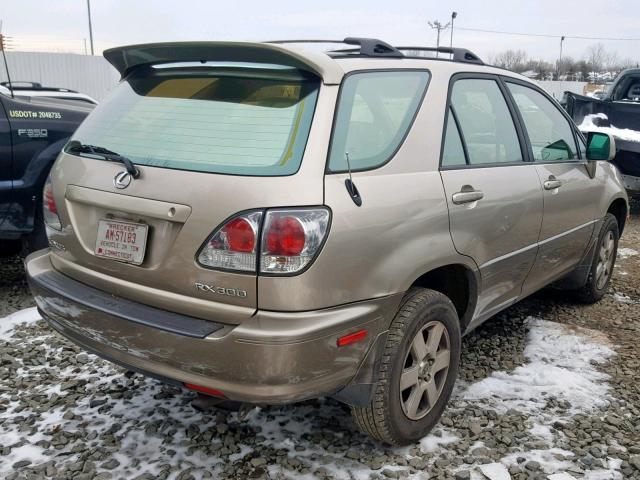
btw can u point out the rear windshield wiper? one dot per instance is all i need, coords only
(75, 146)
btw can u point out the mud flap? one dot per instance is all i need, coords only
(359, 391)
(579, 276)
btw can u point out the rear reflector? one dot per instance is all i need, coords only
(352, 338)
(209, 391)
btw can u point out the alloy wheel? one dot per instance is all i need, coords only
(605, 260)
(425, 370)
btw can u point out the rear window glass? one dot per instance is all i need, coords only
(233, 119)
(374, 114)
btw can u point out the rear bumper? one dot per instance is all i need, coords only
(271, 358)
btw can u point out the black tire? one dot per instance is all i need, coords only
(594, 290)
(9, 248)
(384, 418)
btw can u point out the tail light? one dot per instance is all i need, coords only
(292, 238)
(49, 207)
(234, 245)
(279, 241)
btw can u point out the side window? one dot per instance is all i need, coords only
(486, 123)
(453, 151)
(550, 133)
(374, 113)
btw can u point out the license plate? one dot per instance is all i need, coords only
(123, 241)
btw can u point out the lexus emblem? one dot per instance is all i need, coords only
(122, 180)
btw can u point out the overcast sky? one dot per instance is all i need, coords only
(62, 24)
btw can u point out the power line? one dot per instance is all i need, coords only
(577, 37)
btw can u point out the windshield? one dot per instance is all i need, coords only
(229, 119)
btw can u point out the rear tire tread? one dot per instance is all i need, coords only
(590, 293)
(373, 418)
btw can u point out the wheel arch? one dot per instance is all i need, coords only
(619, 209)
(457, 282)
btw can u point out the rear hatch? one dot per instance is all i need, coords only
(210, 140)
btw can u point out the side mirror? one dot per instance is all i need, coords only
(600, 146)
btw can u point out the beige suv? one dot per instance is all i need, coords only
(266, 223)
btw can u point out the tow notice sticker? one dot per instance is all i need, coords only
(122, 241)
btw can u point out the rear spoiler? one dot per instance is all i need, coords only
(126, 59)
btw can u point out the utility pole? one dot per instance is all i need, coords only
(90, 29)
(3, 49)
(560, 59)
(453, 17)
(436, 25)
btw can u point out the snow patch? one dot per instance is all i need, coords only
(622, 298)
(560, 365)
(626, 252)
(551, 461)
(612, 472)
(627, 134)
(436, 440)
(560, 369)
(29, 315)
(561, 476)
(495, 471)
(541, 431)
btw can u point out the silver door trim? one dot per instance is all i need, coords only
(536, 245)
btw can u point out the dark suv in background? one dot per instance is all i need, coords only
(32, 133)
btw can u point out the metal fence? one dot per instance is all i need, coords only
(557, 89)
(88, 74)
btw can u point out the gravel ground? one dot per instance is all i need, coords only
(548, 389)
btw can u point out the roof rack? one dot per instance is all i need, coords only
(458, 54)
(22, 85)
(369, 47)
(373, 47)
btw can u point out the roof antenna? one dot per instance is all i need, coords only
(4, 56)
(351, 187)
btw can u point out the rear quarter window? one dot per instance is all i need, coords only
(231, 119)
(374, 113)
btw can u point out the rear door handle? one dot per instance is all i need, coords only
(467, 196)
(552, 183)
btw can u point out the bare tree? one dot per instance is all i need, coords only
(514, 60)
(628, 63)
(597, 57)
(612, 61)
(566, 66)
(596, 60)
(543, 68)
